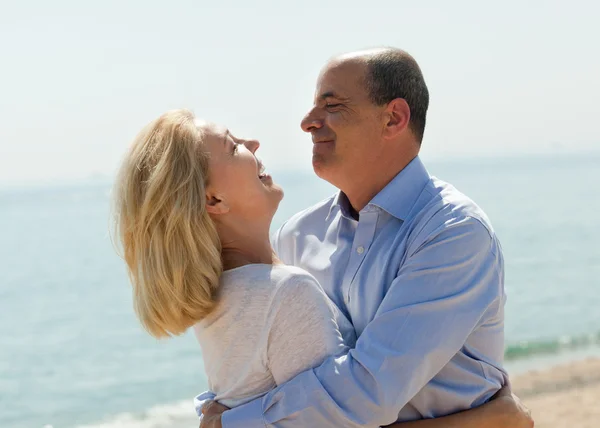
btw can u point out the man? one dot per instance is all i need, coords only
(414, 264)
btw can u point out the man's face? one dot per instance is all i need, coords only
(346, 127)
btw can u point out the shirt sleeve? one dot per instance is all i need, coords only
(444, 291)
(303, 330)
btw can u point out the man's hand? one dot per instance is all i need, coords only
(211, 415)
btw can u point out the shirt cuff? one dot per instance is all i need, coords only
(201, 399)
(249, 415)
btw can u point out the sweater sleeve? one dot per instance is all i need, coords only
(302, 328)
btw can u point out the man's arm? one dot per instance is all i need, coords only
(443, 292)
(504, 411)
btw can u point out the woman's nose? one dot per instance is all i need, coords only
(252, 145)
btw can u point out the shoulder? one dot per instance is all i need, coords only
(293, 284)
(444, 210)
(451, 243)
(257, 278)
(261, 288)
(300, 306)
(315, 214)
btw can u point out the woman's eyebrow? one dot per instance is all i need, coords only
(226, 136)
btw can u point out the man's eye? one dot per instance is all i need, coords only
(235, 147)
(332, 105)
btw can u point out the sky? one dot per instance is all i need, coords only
(78, 80)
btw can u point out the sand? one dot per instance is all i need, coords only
(566, 396)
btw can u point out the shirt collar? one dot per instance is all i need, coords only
(398, 197)
(341, 201)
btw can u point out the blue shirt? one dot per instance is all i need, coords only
(421, 277)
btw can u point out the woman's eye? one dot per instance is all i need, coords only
(235, 147)
(332, 105)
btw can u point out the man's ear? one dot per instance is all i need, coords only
(216, 205)
(397, 117)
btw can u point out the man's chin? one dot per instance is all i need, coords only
(324, 169)
(319, 167)
(320, 162)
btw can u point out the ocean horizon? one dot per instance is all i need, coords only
(73, 354)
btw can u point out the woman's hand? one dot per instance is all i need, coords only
(211, 415)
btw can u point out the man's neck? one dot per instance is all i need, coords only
(366, 186)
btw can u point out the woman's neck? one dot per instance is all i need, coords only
(244, 248)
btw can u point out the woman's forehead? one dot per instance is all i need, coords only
(210, 127)
(214, 136)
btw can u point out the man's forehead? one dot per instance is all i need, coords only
(339, 79)
(337, 67)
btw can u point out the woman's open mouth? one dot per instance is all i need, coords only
(266, 178)
(263, 175)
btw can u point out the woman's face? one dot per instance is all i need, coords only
(237, 178)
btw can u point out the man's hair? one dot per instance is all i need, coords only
(393, 73)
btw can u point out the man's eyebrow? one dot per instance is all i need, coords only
(329, 94)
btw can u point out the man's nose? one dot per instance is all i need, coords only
(311, 122)
(252, 145)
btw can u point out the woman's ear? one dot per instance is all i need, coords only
(216, 205)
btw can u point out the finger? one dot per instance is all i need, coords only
(505, 391)
(206, 406)
(213, 408)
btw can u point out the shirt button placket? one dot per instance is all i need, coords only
(365, 233)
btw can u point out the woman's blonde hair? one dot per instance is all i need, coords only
(170, 244)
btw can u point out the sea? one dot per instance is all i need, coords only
(72, 353)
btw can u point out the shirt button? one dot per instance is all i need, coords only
(360, 250)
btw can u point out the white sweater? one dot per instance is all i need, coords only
(272, 322)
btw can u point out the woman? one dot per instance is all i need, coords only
(194, 207)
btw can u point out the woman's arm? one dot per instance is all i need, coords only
(302, 329)
(504, 411)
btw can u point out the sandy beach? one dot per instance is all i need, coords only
(566, 396)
